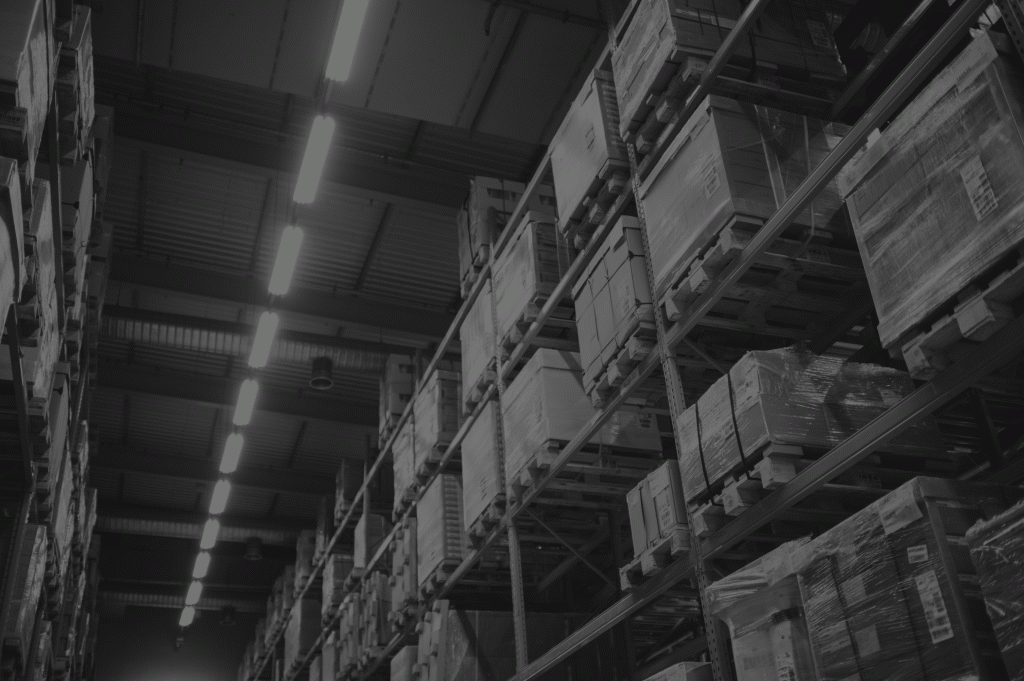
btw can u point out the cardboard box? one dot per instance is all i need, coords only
(482, 475)
(403, 664)
(526, 271)
(305, 549)
(476, 337)
(438, 415)
(336, 570)
(370, 532)
(440, 529)
(302, 630)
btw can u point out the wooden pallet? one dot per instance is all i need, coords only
(982, 310)
(559, 330)
(404, 613)
(609, 184)
(641, 341)
(654, 559)
(469, 278)
(474, 394)
(437, 578)
(491, 516)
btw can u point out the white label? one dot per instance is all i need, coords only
(898, 510)
(709, 177)
(867, 641)
(939, 626)
(782, 645)
(819, 34)
(979, 189)
(853, 590)
(917, 554)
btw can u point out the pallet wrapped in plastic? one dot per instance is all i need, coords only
(301, 631)
(938, 198)
(997, 551)
(656, 36)
(546, 404)
(346, 484)
(369, 533)
(440, 531)
(486, 213)
(337, 568)
(888, 594)
(28, 67)
(305, 550)
(656, 508)
(483, 489)
(731, 161)
(789, 397)
(476, 337)
(526, 272)
(403, 664)
(613, 299)
(397, 385)
(12, 234)
(586, 147)
(437, 415)
(25, 585)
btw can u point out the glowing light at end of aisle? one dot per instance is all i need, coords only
(202, 565)
(287, 256)
(314, 159)
(232, 453)
(219, 500)
(246, 402)
(346, 39)
(265, 331)
(210, 532)
(187, 615)
(195, 590)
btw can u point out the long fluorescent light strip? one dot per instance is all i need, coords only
(346, 39)
(187, 615)
(202, 565)
(232, 453)
(246, 402)
(195, 591)
(264, 340)
(314, 159)
(219, 500)
(210, 532)
(284, 264)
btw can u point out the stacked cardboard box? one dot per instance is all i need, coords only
(369, 533)
(526, 272)
(74, 87)
(997, 551)
(545, 406)
(375, 627)
(732, 165)
(346, 485)
(436, 417)
(305, 549)
(324, 526)
(587, 151)
(614, 307)
(890, 593)
(397, 385)
(12, 247)
(328, 659)
(936, 203)
(337, 568)
(482, 476)
(25, 587)
(404, 584)
(279, 603)
(656, 510)
(403, 453)
(301, 631)
(476, 336)
(486, 213)
(348, 643)
(792, 398)
(657, 37)
(441, 540)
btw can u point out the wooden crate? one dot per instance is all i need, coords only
(614, 310)
(937, 201)
(790, 404)
(589, 161)
(890, 591)
(483, 495)
(441, 541)
(997, 552)
(659, 38)
(724, 165)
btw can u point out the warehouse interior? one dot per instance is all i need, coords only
(480, 340)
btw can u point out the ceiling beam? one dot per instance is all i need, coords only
(137, 460)
(152, 522)
(136, 270)
(148, 597)
(224, 392)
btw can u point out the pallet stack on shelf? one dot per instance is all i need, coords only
(767, 320)
(54, 159)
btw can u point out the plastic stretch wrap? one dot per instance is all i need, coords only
(793, 37)
(336, 570)
(473, 645)
(305, 549)
(436, 415)
(481, 468)
(789, 397)
(476, 336)
(11, 233)
(486, 213)
(732, 159)
(937, 198)
(887, 595)
(28, 66)
(369, 533)
(612, 298)
(584, 144)
(397, 384)
(527, 271)
(302, 629)
(404, 663)
(440, 531)
(997, 550)
(546, 403)
(25, 584)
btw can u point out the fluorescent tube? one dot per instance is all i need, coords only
(219, 500)
(284, 265)
(246, 402)
(202, 565)
(314, 159)
(195, 590)
(346, 39)
(264, 339)
(187, 615)
(232, 452)
(210, 532)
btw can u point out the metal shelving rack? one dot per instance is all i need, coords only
(1000, 349)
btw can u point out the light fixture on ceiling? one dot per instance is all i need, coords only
(246, 402)
(232, 452)
(284, 264)
(195, 591)
(202, 565)
(188, 613)
(314, 159)
(261, 345)
(210, 532)
(321, 378)
(219, 500)
(346, 39)
(253, 549)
